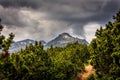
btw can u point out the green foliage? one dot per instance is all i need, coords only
(31, 63)
(91, 77)
(6, 43)
(34, 63)
(105, 51)
(68, 61)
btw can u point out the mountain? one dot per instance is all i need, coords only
(16, 46)
(63, 39)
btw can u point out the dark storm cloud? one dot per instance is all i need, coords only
(75, 13)
(10, 16)
(65, 9)
(21, 3)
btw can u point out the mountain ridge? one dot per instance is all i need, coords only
(61, 40)
(65, 38)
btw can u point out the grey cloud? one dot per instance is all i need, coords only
(21, 3)
(10, 16)
(77, 13)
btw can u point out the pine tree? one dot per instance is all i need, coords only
(105, 50)
(5, 43)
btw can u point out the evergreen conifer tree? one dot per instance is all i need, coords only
(5, 43)
(105, 50)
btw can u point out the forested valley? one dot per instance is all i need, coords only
(64, 63)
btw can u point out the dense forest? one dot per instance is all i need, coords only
(64, 63)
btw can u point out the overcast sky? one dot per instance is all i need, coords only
(45, 19)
